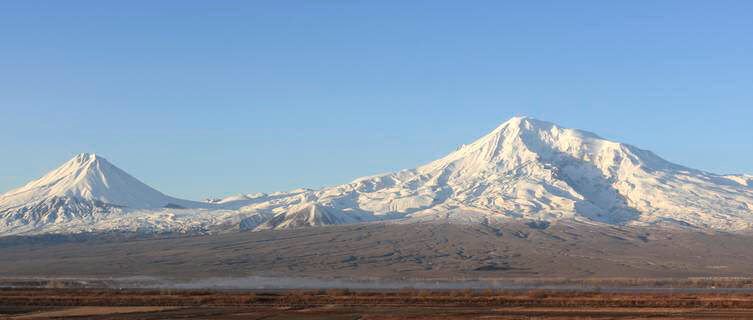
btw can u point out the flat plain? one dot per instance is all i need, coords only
(368, 304)
(394, 271)
(391, 252)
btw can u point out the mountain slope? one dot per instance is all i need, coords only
(90, 177)
(380, 250)
(86, 186)
(525, 169)
(532, 169)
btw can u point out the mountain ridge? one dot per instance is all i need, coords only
(528, 168)
(523, 169)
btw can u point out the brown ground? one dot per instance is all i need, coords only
(89, 311)
(395, 313)
(344, 304)
(560, 254)
(386, 251)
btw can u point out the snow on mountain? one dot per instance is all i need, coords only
(524, 169)
(533, 169)
(89, 177)
(85, 187)
(310, 215)
(743, 179)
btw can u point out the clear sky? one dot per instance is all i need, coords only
(211, 98)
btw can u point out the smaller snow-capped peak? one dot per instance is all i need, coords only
(88, 176)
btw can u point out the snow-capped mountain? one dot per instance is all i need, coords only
(86, 187)
(524, 169)
(533, 169)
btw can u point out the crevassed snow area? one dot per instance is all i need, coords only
(524, 169)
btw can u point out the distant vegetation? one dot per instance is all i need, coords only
(487, 297)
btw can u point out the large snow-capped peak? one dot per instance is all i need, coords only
(524, 169)
(522, 140)
(89, 177)
(532, 169)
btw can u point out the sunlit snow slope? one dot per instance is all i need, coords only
(86, 187)
(524, 169)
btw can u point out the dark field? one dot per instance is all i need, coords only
(346, 304)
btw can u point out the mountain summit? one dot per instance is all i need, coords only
(82, 187)
(88, 177)
(532, 169)
(524, 169)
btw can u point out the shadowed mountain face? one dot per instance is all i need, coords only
(525, 169)
(391, 251)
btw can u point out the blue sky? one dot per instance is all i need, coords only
(211, 98)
